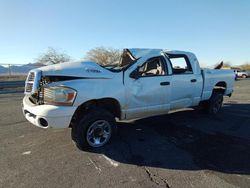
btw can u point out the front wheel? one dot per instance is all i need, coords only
(95, 129)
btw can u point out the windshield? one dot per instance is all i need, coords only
(113, 67)
(126, 59)
(117, 67)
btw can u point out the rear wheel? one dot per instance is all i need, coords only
(244, 76)
(94, 129)
(214, 104)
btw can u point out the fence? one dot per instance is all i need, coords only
(11, 84)
(12, 77)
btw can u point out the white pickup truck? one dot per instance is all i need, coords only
(89, 98)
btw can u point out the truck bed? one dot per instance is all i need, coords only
(213, 77)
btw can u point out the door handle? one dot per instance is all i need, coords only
(193, 80)
(164, 83)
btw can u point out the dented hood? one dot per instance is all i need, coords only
(76, 69)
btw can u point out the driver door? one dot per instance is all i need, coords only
(148, 94)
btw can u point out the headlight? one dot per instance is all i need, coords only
(59, 95)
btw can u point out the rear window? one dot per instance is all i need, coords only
(180, 64)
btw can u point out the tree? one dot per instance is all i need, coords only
(245, 66)
(227, 65)
(104, 56)
(52, 57)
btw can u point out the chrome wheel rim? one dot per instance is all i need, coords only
(99, 133)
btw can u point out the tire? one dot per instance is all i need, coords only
(244, 76)
(94, 129)
(214, 104)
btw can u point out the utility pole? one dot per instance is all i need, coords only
(9, 70)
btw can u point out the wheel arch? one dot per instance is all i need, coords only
(110, 104)
(220, 87)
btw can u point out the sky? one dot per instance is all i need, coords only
(214, 30)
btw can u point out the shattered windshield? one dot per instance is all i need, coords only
(125, 60)
(113, 67)
(117, 67)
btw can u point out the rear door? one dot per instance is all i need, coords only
(186, 86)
(149, 94)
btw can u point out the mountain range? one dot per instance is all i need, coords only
(18, 69)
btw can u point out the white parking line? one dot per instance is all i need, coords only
(113, 163)
(26, 153)
(96, 167)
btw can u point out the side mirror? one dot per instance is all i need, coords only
(135, 74)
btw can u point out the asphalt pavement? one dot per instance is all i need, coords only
(183, 149)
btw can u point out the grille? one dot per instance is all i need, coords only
(28, 87)
(29, 82)
(33, 82)
(41, 93)
(31, 77)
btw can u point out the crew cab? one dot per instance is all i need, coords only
(89, 98)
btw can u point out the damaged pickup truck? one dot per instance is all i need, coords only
(90, 98)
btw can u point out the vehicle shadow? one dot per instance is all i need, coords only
(186, 140)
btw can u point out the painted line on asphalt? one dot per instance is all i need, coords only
(26, 153)
(113, 163)
(96, 167)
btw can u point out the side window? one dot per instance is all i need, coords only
(181, 65)
(153, 67)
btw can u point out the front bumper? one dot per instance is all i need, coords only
(45, 116)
